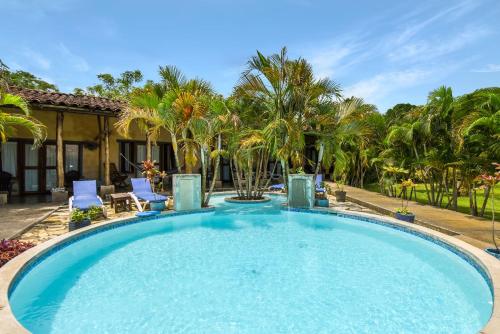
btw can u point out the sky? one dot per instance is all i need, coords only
(385, 51)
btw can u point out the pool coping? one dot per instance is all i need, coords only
(14, 270)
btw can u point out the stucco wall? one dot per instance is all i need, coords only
(81, 128)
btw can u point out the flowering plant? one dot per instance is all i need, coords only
(150, 171)
(405, 184)
(11, 248)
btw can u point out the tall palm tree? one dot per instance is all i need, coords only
(188, 99)
(288, 94)
(10, 121)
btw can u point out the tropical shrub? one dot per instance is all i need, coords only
(12, 248)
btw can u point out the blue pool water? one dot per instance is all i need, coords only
(253, 268)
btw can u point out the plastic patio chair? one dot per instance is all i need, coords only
(85, 196)
(141, 191)
(319, 179)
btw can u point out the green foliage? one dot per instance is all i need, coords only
(24, 79)
(399, 113)
(10, 119)
(114, 87)
(92, 213)
(78, 215)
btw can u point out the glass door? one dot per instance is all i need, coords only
(31, 169)
(50, 167)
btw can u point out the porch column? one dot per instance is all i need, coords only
(60, 150)
(107, 179)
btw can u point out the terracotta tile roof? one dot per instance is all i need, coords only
(89, 102)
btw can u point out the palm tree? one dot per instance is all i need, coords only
(10, 121)
(142, 110)
(289, 95)
(188, 100)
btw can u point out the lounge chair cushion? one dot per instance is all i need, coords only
(150, 197)
(85, 194)
(142, 189)
(277, 186)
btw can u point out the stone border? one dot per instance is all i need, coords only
(483, 262)
(41, 219)
(265, 199)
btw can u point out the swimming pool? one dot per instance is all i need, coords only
(252, 268)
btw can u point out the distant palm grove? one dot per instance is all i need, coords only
(280, 112)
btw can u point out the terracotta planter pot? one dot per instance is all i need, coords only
(4, 196)
(76, 225)
(493, 251)
(105, 191)
(59, 196)
(409, 218)
(157, 205)
(340, 196)
(322, 202)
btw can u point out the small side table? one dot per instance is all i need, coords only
(121, 201)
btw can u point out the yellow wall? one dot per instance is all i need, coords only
(81, 127)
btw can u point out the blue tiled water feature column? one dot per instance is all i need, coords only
(187, 191)
(301, 191)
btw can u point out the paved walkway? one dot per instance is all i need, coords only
(14, 218)
(476, 231)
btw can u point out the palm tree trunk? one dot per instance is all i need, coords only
(235, 184)
(455, 190)
(148, 147)
(249, 175)
(204, 171)
(216, 175)
(320, 159)
(60, 150)
(175, 148)
(486, 196)
(107, 176)
(285, 172)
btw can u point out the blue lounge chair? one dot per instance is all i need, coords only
(141, 191)
(319, 179)
(85, 196)
(277, 187)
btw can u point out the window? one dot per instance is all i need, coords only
(31, 176)
(9, 158)
(50, 167)
(135, 152)
(71, 157)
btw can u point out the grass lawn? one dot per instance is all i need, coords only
(463, 201)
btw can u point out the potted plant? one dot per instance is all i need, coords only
(340, 194)
(321, 198)
(78, 219)
(490, 180)
(59, 195)
(403, 213)
(157, 205)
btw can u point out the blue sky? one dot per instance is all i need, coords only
(384, 51)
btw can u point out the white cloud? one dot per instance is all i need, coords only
(79, 63)
(377, 87)
(36, 59)
(423, 50)
(490, 68)
(449, 13)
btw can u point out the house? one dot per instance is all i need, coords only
(83, 121)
